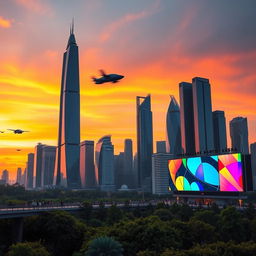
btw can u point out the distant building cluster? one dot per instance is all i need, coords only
(192, 129)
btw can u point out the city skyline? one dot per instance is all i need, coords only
(30, 68)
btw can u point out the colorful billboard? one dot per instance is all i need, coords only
(207, 173)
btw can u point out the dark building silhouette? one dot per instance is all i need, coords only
(219, 129)
(30, 171)
(144, 142)
(203, 123)
(253, 163)
(129, 178)
(119, 170)
(87, 169)
(239, 134)
(48, 163)
(173, 134)
(187, 118)
(67, 169)
(18, 176)
(161, 147)
(38, 165)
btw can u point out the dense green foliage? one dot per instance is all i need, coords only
(28, 249)
(162, 230)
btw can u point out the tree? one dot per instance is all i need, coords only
(163, 214)
(28, 249)
(104, 246)
(61, 233)
(231, 225)
(207, 216)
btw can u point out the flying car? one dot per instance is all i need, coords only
(17, 131)
(106, 78)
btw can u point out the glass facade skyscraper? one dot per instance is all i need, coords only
(203, 123)
(144, 143)
(187, 118)
(87, 169)
(239, 134)
(219, 129)
(104, 159)
(67, 169)
(173, 136)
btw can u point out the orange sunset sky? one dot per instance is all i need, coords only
(155, 44)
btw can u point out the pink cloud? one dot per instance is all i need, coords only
(35, 6)
(128, 18)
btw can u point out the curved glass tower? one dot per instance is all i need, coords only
(144, 143)
(173, 135)
(68, 151)
(104, 158)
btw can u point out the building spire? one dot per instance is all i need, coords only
(71, 39)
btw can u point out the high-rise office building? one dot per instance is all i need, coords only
(173, 135)
(87, 169)
(203, 123)
(119, 170)
(24, 178)
(253, 163)
(128, 163)
(18, 175)
(219, 130)
(135, 171)
(187, 118)
(68, 150)
(5, 176)
(38, 165)
(160, 173)
(144, 142)
(161, 147)
(104, 158)
(30, 171)
(239, 134)
(48, 163)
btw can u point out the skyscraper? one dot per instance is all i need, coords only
(161, 146)
(30, 171)
(18, 176)
(173, 136)
(48, 163)
(104, 158)
(128, 163)
(219, 129)
(68, 150)
(239, 134)
(119, 170)
(187, 118)
(5, 176)
(253, 164)
(87, 169)
(203, 123)
(38, 165)
(144, 142)
(160, 173)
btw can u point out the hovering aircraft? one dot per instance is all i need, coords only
(17, 131)
(18, 149)
(112, 78)
(1, 131)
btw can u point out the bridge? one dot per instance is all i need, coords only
(26, 211)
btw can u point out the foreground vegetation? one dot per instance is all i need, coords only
(175, 230)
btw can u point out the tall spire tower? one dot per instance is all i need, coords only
(67, 166)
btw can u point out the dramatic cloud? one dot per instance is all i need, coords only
(155, 44)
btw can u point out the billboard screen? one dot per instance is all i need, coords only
(207, 173)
